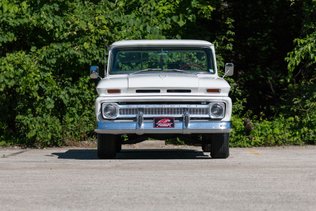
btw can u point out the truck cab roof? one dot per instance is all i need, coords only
(157, 43)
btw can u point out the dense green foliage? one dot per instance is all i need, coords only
(46, 47)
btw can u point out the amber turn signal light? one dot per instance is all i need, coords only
(114, 91)
(213, 90)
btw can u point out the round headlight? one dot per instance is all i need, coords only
(217, 110)
(109, 111)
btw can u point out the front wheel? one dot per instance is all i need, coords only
(107, 146)
(217, 144)
(118, 145)
(220, 145)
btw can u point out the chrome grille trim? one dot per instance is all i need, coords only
(173, 110)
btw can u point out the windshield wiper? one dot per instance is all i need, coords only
(177, 70)
(162, 70)
(146, 70)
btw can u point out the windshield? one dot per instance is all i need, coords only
(141, 60)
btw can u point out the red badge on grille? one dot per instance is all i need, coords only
(164, 122)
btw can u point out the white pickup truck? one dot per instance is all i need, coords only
(162, 88)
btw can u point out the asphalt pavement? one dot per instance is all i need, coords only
(152, 176)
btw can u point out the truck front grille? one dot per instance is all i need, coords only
(177, 110)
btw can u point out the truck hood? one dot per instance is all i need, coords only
(130, 83)
(163, 80)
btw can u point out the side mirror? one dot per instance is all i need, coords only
(229, 69)
(94, 72)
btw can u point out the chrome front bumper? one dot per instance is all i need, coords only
(147, 127)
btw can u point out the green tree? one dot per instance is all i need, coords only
(46, 48)
(302, 78)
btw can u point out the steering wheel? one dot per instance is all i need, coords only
(188, 66)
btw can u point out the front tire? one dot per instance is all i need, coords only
(118, 145)
(106, 148)
(220, 145)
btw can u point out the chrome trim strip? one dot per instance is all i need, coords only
(131, 127)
